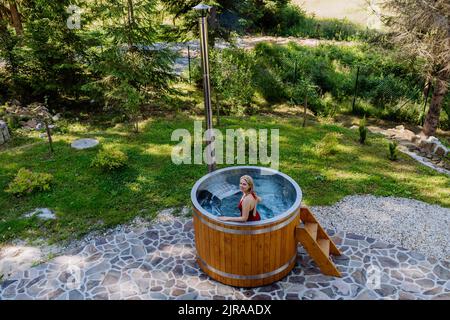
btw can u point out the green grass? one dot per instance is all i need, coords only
(87, 199)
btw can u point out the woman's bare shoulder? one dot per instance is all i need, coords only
(248, 200)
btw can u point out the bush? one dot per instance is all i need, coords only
(393, 151)
(26, 182)
(328, 145)
(110, 159)
(13, 122)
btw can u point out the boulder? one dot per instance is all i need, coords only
(56, 117)
(426, 146)
(441, 151)
(416, 138)
(82, 144)
(4, 133)
(31, 124)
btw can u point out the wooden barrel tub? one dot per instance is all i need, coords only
(246, 254)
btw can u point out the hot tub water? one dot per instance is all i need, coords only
(273, 194)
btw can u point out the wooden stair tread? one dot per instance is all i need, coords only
(312, 229)
(324, 245)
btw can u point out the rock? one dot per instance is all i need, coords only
(432, 139)
(42, 213)
(367, 295)
(75, 295)
(388, 262)
(386, 290)
(444, 296)
(342, 288)
(441, 272)
(138, 252)
(401, 127)
(4, 133)
(56, 117)
(112, 277)
(315, 295)
(30, 124)
(416, 138)
(82, 144)
(359, 277)
(354, 127)
(441, 151)
(410, 287)
(435, 159)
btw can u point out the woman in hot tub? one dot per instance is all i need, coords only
(248, 202)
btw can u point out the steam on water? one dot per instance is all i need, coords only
(223, 199)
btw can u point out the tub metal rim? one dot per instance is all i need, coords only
(249, 277)
(285, 214)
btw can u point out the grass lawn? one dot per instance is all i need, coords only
(86, 199)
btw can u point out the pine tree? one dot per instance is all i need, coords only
(423, 28)
(131, 69)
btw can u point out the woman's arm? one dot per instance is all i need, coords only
(245, 212)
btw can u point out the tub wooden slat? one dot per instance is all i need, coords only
(222, 253)
(230, 257)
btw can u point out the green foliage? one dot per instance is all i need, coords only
(13, 122)
(278, 17)
(51, 52)
(128, 76)
(27, 182)
(232, 76)
(110, 159)
(83, 197)
(362, 131)
(328, 145)
(393, 151)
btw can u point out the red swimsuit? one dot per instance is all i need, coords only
(251, 217)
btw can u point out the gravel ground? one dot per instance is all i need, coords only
(408, 223)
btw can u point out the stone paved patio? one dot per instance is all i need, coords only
(158, 262)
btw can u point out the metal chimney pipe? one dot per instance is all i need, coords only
(203, 23)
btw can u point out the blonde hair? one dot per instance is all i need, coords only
(249, 181)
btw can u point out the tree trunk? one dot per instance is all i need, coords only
(439, 92)
(15, 16)
(49, 136)
(130, 22)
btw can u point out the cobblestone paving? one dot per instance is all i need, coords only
(158, 262)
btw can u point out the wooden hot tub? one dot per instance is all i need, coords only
(252, 253)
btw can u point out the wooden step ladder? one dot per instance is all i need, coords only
(317, 243)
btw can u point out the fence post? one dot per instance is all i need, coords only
(218, 109)
(427, 94)
(295, 71)
(356, 90)
(189, 62)
(304, 111)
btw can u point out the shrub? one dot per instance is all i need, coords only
(393, 151)
(110, 159)
(13, 122)
(328, 145)
(26, 182)
(362, 131)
